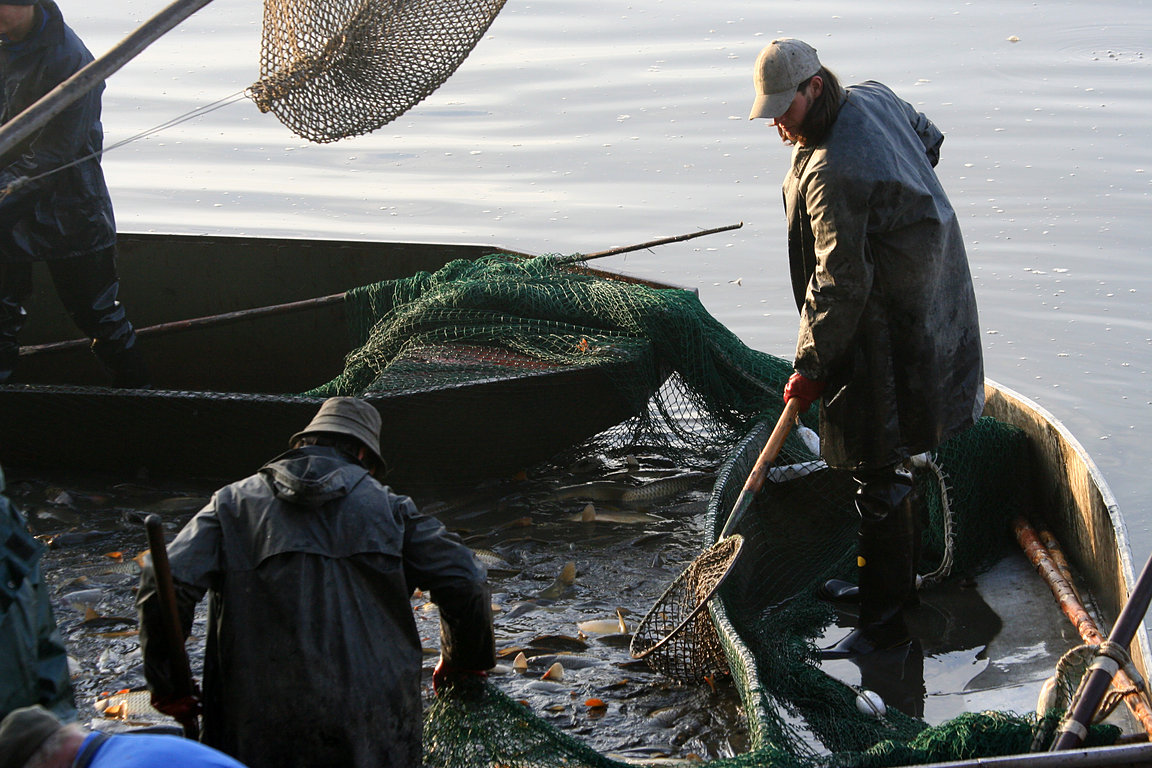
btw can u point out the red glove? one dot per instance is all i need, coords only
(805, 390)
(445, 675)
(181, 709)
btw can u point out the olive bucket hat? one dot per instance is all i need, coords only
(23, 732)
(349, 416)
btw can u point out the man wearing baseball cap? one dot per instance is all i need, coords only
(34, 736)
(889, 340)
(312, 654)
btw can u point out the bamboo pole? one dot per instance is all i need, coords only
(1070, 604)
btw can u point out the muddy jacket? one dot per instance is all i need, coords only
(312, 655)
(33, 661)
(887, 310)
(68, 213)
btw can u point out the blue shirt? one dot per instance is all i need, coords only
(149, 750)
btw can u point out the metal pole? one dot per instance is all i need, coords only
(35, 117)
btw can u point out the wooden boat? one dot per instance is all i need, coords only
(1002, 671)
(223, 398)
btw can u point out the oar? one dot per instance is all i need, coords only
(183, 684)
(1075, 726)
(297, 306)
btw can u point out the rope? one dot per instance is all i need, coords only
(191, 115)
(923, 461)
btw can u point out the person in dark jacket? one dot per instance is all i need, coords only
(54, 204)
(313, 656)
(889, 338)
(33, 659)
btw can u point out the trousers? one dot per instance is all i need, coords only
(87, 287)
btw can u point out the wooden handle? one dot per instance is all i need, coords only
(768, 455)
(184, 684)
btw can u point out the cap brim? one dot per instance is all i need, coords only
(771, 105)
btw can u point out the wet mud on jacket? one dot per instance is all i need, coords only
(881, 278)
(68, 213)
(312, 655)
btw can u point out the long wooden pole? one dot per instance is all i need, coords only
(183, 682)
(196, 322)
(36, 116)
(575, 258)
(1085, 625)
(335, 298)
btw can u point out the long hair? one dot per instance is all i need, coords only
(822, 114)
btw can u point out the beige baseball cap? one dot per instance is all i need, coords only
(780, 68)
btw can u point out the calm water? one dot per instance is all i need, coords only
(579, 127)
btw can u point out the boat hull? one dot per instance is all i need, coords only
(225, 397)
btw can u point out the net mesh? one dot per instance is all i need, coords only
(677, 637)
(703, 398)
(330, 69)
(694, 386)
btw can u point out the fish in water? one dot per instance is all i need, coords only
(562, 583)
(496, 565)
(786, 472)
(115, 563)
(604, 626)
(592, 515)
(627, 493)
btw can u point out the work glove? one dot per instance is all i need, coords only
(446, 675)
(805, 390)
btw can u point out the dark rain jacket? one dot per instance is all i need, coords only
(312, 656)
(33, 660)
(69, 212)
(887, 309)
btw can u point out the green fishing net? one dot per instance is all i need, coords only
(702, 398)
(693, 385)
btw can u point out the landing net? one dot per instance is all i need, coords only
(330, 69)
(703, 398)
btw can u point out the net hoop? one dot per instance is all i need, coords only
(699, 654)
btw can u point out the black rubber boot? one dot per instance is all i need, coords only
(15, 285)
(88, 287)
(125, 366)
(885, 501)
(911, 513)
(839, 591)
